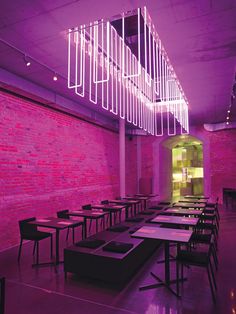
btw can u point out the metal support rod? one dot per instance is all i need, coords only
(122, 156)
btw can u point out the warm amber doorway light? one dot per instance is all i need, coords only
(187, 169)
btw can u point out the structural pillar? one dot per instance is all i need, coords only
(122, 156)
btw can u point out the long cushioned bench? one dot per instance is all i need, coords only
(99, 261)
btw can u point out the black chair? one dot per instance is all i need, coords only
(206, 239)
(199, 259)
(2, 295)
(210, 218)
(105, 202)
(213, 208)
(30, 232)
(64, 215)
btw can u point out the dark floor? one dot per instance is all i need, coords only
(30, 290)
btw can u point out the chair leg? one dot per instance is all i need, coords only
(212, 274)
(19, 252)
(51, 249)
(67, 235)
(73, 234)
(177, 278)
(90, 225)
(37, 252)
(34, 247)
(182, 271)
(215, 258)
(211, 286)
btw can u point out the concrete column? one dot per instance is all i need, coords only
(139, 162)
(122, 156)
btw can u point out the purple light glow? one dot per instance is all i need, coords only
(141, 95)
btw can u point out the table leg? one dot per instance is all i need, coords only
(85, 227)
(145, 204)
(57, 246)
(110, 213)
(167, 281)
(96, 225)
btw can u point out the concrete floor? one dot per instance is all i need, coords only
(42, 291)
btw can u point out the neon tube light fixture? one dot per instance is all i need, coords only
(122, 66)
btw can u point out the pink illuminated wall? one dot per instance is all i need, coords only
(223, 160)
(50, 161)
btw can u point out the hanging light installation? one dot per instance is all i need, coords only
(123, 66)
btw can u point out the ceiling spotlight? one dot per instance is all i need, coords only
(227, 122)
(27, 61)
(228, 111)
(227, 118)
(54, 77)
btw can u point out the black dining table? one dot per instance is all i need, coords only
(111, 209)
(179, 236)
(179, 211)
(129, 204)
(143, 200)
(57, 224)
(176, 220)
(197, 197)
(193, 200)
(189, 205)
(89, 214)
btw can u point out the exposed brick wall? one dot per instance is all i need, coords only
(223, 161)
(50, 161)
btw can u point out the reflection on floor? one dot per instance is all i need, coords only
(30, 290)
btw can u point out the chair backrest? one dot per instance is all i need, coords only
(26, 228)
(87, 207)
(63, 214)
(104, 202)
(164, 203)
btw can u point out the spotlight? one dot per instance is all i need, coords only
(27, 61)
(227, 122)
(54, 77)
(228, 111)
(227, 118)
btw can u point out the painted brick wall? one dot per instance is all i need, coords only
(223, 161)
(50, 161)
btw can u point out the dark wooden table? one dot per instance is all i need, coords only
(193, 200)
(176, 220)
(189, 205)
(146, 195)
(197, 197)
(58, 224)
(89, 214)
(129, 204)
(111, 209)
(167, 235)
(182, 211)
(143, 200)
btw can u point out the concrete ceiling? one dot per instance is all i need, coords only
(199, 37)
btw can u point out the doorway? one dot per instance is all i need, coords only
(187, 168)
